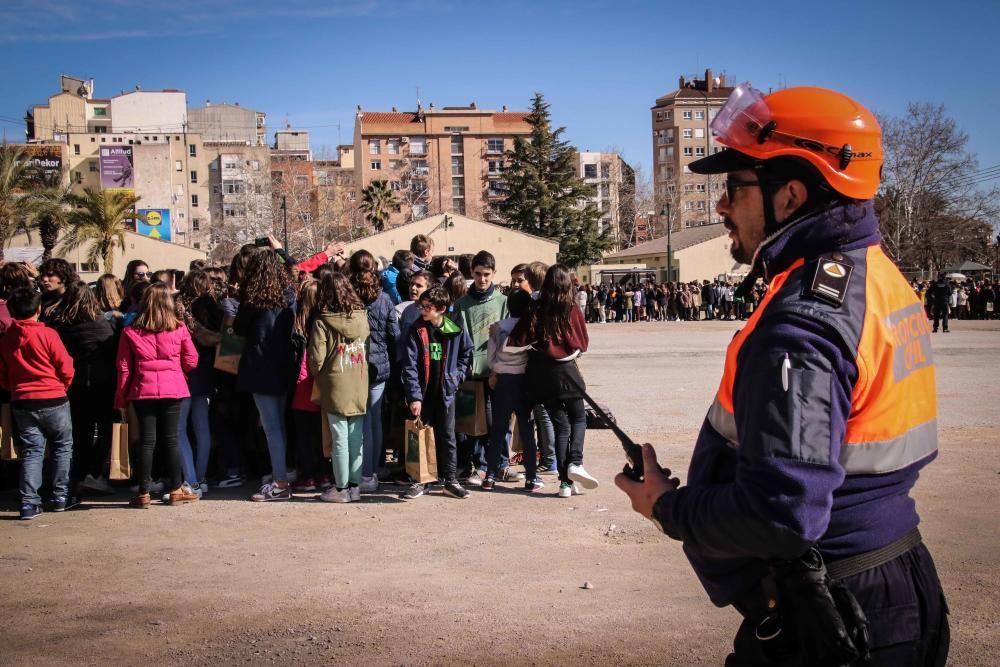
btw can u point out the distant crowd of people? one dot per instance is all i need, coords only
(946, 298)
(649, 301)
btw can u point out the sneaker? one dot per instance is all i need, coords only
(96, 485)
(534, 486)
(369, 484)
(63, 503)
(323, 482)
(550, 470)
(155, 487)
(232, 481)
(335, 495)
(202, 489)
(304, 486)
(183, 495)
(272, 492)
(475, 479)
(455, 490)
(565, 489)
(580, 474)
(355, 492)
(488, 484)
(414, 491)
(140, 501)
(509, 475)
(30, 511)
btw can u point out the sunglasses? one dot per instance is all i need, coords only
(142, 274)
(734, 184)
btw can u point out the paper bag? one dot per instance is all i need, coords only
(230, 348)
(7, 450)
(121, 465)
(470, 409)
(421, 454)
(327, 436)
(516, 444)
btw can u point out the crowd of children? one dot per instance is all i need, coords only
(329, 347)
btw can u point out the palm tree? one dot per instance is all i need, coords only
(18, 205)
(378, 202)
(99, 220)
(56, 202)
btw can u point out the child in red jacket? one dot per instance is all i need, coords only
(37, 370)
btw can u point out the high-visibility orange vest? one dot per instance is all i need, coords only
(893, 418)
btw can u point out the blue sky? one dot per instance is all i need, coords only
(601, 65)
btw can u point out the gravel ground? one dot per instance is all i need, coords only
(496, 578)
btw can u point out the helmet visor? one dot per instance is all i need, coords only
(740, 120)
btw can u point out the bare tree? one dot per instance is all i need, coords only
(243, 208)
(932, 210)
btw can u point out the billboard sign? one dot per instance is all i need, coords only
(117, 167)
(156, 224)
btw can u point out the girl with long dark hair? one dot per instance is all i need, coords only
(555, 334)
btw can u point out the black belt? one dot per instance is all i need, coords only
(848, 567)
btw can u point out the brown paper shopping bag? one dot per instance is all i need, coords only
(121, 464)
(8, 452)
(421, 454)
(470, 409)
(516, 444)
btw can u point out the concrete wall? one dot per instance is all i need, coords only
(142, 111)
(465, 236)
(706, 260)
(225, 122)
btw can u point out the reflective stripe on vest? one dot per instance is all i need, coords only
(893, 420)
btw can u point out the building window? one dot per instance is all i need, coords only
(76, 149)
(458, 206)
(605, 170)
(699, 115)
(78, 177)
(457, 145)
(394, 186)
(418, 187)
(700, 187)
(686, 115)
(457, 168)
(418, 145)
(93, 166)
(494, 145)
(688, 187)
(395, 164)
(687, 151)
(197, 246)
(670, 152)
(590, 171)
(195, 224)
(700, 151)
(301, 180)
(392, 146)
(420, 168)
(659, 115)
(194, 176)
(178, 165)
(194, 200)
(495, 167)
(192, 150)
(100, 111)
(233, 187)
(605, 190)
(687, 133)
(701, 205)
(231, 163)
(699, 133)
(233, 211)
(373, 146)
(376, 165)
(496, 189)
(419, 211)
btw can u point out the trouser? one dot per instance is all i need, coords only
(709, 312)
(601, 315)
(546, 437)
(236, 422)
(939, 314)
(372, 458)
(472, 448)
(439, 414)
(272, 417)
(37, 428)
(92, 411)
(907, 619)
(194, 461)
(511, 398)
(570, 421)
(348, 436)
(158, 420)
(308, 442)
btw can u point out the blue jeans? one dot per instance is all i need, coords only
(272, 417)
(195, 469)
(511, 398)
(546, 437)
(37, 428)
(372, 452)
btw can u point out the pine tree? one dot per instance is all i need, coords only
(543, 194)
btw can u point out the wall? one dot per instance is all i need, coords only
(706, 260)
(142, 111)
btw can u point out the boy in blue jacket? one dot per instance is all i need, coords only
(438, 355)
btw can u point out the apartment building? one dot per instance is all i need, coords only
(436, 160)
(614, 192)
(681, 134)
(226, 123)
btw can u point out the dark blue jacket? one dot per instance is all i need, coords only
(268, 362)
(457, 357)
(783, 489)
(383, 323)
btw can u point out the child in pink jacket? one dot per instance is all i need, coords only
(154, 357)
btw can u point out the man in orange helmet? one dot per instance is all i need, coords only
(797, 509)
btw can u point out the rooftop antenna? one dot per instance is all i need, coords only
(418, 97)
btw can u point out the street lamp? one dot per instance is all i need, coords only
(665, 213)
(284, 217)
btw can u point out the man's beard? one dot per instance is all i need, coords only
(737, 249)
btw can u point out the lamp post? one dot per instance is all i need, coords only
(665, 213)
(284, 217)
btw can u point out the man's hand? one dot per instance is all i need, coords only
(415, 408)
(334, 248)
(275, 244)
(644, 494)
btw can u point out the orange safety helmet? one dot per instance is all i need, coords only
(831, 131)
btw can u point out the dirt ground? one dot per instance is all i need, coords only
(493, 579)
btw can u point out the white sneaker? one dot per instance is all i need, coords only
(369, 484)
(565, 490)
(203, 488)
(332, 495)
(580, 474)
(355, 493)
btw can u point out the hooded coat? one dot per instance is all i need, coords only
(338, 361)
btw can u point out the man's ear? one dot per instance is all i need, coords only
(790, 197)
